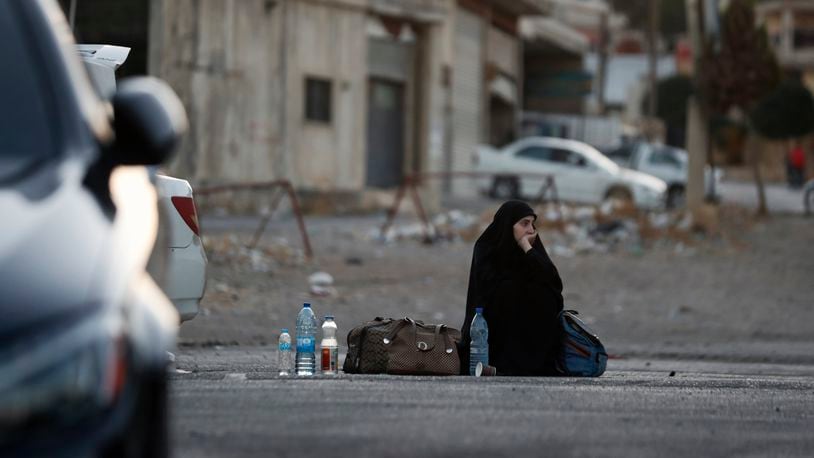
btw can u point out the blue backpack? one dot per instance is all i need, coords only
(582, 354)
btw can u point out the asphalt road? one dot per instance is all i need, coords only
(731, 316)
(230, 403)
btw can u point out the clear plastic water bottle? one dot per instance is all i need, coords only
(306, 339)
(329, 345)
(479, 346)
(284, 353)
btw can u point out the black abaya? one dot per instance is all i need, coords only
(521, 295)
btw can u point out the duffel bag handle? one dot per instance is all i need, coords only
(447, 340)
(392, 335)
(439, 338)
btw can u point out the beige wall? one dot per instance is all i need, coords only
(433, 121)
(239, 67)
(327, 42)
(221, 56)
(503, 50)
(226, 59)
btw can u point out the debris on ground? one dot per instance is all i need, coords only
(456, 224)
(570, 230)
(264, 258)
(450, 226)
(321, 284)
(410, 231)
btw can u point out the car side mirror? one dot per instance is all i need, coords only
(148, 119)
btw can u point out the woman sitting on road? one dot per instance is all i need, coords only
(520, 290)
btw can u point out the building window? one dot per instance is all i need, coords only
(318, 99)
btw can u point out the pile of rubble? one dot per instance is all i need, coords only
(612, 227)
(568, 230)
(231, 249)
(449, 226)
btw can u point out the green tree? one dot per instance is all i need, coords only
(744, 69)
(787, 112)
(738, 72)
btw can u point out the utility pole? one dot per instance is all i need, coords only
(653, 56)
(602, 61)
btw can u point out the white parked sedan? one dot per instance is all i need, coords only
(665, 162)
(581, 173)
(179, 264)
(184, 271)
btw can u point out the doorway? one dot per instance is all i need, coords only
(385, 133)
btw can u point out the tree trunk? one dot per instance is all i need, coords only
(754, 150)
(696, 148)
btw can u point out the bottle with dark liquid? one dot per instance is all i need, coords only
(329, 345)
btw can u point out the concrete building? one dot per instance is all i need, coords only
(334, 95)
(555, 78)
(341, 97)
(563, 95)
(485, 98)
(790, 25)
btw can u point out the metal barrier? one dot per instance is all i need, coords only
(414, 180)
(274, 186)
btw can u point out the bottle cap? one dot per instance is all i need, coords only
(285, 329)
(478, 309)
(329, 317)
(306, 305)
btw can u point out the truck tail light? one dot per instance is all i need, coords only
(186, 208)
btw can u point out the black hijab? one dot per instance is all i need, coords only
(521, 294)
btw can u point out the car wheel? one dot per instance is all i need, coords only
(619, 193)
(504, 188)
(147, 434)
(675, 197)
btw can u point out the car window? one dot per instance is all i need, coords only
(567, 157)
(664, 156)
(26, 137)
(576, 160)
(536, 152)
(623, 152)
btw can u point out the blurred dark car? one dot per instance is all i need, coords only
(84, 330)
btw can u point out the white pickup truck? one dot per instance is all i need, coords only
(665, 162)
(581, 173)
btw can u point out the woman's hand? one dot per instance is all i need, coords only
(526, 241)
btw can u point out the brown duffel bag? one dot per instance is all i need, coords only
(403, 347)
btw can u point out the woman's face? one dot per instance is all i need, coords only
(523, 228)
